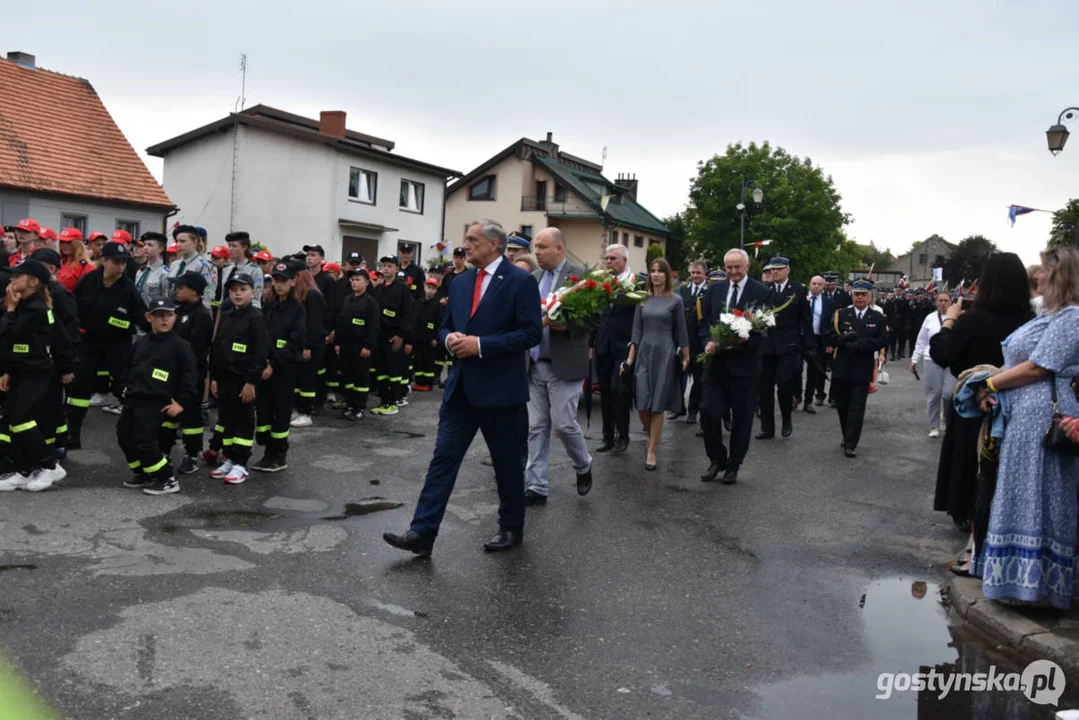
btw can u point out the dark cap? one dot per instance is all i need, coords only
(193, 280)
(182, 229)
(459, 252)
(33, 268)
(389, 259)
(159, 237)
(239, 236)
(862, 286)
(115, 251)
(240, 278)
(47, 256)
(359, 272)
(518, 241)
(780, 261)
(405, 247)
(354, 257)
(283, 269)
(314, 248)
(161, 305)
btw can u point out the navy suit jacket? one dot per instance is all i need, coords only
(508, 322)
(827, 309)
(744, 361)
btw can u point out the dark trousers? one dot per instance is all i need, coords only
(779, 376)
(54, 425)
(237, 420)
(106, 360)
(328, 376)
(424, 357)
(307, 386)
(815, 378)
(26, 415)
(140, 432)
(356, 374)
(912, 339)
(457, 425)
(273, 405)
(895, 348)
(722, 395)
(850, 399)
(190, 421)
(391, 370)
(613, 399)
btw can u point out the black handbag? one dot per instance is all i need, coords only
(1055, 438)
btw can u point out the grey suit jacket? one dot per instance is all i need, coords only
(569, 350)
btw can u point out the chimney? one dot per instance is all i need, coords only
(629, 182)
(332, 123)
(22, 59)
(552, 147)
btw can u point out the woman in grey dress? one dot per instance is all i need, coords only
(659, 338)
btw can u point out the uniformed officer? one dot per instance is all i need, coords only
(839, 297)
(516, 246)
(395, 338)
(195, 324)
(188, 259)
(415, 277)
(159, 384)
(857, 334)
(152, 280)
(780, 362)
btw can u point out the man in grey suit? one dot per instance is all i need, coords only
(557, 367)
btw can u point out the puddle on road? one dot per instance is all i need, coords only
(18, 567)
(906, 630)
(365, 507)
(201, 517)
(206, 517)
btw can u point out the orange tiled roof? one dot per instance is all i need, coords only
(56, 136)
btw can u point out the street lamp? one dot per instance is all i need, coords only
(758, 197)
(1057, 135)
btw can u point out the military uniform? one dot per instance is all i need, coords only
(780, 364)
(199, 264)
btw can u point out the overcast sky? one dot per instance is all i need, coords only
(930, 116)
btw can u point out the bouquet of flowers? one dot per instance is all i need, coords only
(735, 327)
(584, 299)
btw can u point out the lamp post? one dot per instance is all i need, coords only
(1057, 135)
(758, 196)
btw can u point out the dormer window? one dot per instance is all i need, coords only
(484, 189)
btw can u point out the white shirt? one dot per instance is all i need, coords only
(730, 291)
(781, 287)
(490, 273)
(816, 310)
(697, 290)
(930, 327)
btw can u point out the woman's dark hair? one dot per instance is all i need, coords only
(1003, 287)
(664, 267)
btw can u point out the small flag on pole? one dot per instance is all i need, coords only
(758, 245)
(973, 288)
(932, 284)
(1015, 211)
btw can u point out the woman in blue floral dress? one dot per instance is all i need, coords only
(1029, 551)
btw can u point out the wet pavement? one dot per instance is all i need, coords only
(656, 595)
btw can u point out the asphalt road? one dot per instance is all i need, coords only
(654, 596)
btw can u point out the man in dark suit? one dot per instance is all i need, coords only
(691, 292)
(780, 362)
(557, 366)
(857, 333)
(490, 322)
(839, 297)
(731, 376)
(611, 346)
(820, 314)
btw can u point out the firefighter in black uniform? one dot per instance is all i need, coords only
(110, 310)
(779, 361)
(428, 322)
(857, 333)
(413, 272)
(29, 336)
(356, 338)
(195, 324)
(237, 359)
(395, 338)
(322, 367)
(159, 385)
(286, 321)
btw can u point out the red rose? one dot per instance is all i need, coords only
(590, 283)
(574, 279)
(608, 288)
(738, 312)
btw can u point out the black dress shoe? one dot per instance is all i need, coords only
(820, 401)
(605, 446)
(411, 541)
(534, 498)
(831, 403)
(730, 477)
(700, 433)
(849, 452)
(762, 435)
(584, 482)
(621, 445)
(787, 429)
(710, 474)
(691, 419)
(504, 540)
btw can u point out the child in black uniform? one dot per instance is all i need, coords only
(428, 321)
(356, 337)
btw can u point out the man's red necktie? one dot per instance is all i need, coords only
(477, 292)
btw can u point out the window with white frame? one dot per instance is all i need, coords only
(411, 196)
(73, 221)
(362, 186)
(132, 227)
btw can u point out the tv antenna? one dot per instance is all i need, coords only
(603, 162)
(240, 101)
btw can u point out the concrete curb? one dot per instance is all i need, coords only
(1009, 627)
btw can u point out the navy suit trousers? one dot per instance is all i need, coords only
(457, 425)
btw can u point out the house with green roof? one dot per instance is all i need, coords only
(532, 185)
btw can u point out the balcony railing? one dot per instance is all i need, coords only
(548, 204)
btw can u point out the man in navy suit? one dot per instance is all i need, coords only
(731, 375)
(491, 321)
(821, 309)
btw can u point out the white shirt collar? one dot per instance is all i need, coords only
(627, 274)
(490, 269)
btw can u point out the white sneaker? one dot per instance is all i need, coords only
(223, 470)
(236, 475)
(112, 408)
(934, 433)
(301, 421)
(12, 481)
(99, 399)
(44, 479)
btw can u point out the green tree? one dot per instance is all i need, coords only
(1065, 225)
(968, 259)
(655, 250)
(800, 214)
(872, 256)
(677, 249)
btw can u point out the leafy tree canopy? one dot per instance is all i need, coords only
(967, 260)
(1065, 231)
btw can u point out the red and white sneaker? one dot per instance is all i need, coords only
(212, 456)
(236, 475)
(223, 470)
